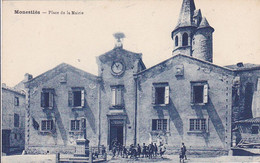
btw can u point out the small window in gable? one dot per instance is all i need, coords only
(176, 41)
(47, 98)
(199, 92)
(76, 97)
(185, 39)
(16, 101)
(160, 93)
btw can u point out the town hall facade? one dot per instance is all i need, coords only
(186, 98)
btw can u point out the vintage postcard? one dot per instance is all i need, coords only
(130, 81)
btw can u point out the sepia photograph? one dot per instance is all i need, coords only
(130, 81)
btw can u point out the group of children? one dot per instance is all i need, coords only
(150, 151)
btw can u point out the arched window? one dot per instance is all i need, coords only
(185, 39)
(176, 41)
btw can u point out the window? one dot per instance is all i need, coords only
(160, 93)
(16, 120)
(47, 98)
(185, 39)
(197, 124)
(176, 41)
(76, 97)
(159, 124)
(117, 95)
(16, 101)
(74, 125)
(47, 125)
(77, 125)
(199, 92)
(255, 129)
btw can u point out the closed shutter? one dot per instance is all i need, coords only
(51, 99)
(42, 100)
(119, 96)
(153, 95)
(113, 97)
(154, 124)
(82, 98)
(70, 98)
(205, 94)
(83, 123)
(167, 95)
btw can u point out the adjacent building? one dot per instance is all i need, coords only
(13, 120)
(186, 98)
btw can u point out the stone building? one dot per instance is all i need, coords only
(185, 98)
(13, 118)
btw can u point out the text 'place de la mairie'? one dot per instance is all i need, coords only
(186, 98)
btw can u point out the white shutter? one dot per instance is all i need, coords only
(153, 95)
(119, 96)
(82, 98)
(205, 93)
(167, 95)
(113, 97)
(51, 99)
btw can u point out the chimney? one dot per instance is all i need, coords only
(27, 77)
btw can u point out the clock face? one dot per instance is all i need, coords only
(117, 68)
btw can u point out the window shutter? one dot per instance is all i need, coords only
(205, 94)
(154, 124)
(51, 99)
(42, 100)
(113, 97)
(153, 95)
(83, 123)
(82, 98)
(167, 95)
(119, 96)
(70, 98)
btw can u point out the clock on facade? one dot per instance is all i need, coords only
(117, 68)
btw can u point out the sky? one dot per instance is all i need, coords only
(36, 43)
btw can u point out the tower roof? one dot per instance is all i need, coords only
(204, 23)
(186, 14)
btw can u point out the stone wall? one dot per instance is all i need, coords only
(180, 109)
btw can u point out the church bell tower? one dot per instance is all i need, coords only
(192, 35)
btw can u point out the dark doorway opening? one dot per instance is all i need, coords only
(6, 141)
(248, 100)
(116, 132)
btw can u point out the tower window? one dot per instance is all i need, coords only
(176, 41)
(185, 39)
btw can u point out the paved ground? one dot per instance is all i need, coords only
(175, 159)
(166, 159)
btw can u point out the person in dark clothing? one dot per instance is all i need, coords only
(132, 151)
(155, 150)
(162, 149)
(125, 152)
(183, 151)
(114, 151)
(139, 150)
(150, 150)
(144, 150)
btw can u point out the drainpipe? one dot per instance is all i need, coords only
(99, 110)
(135, 122)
